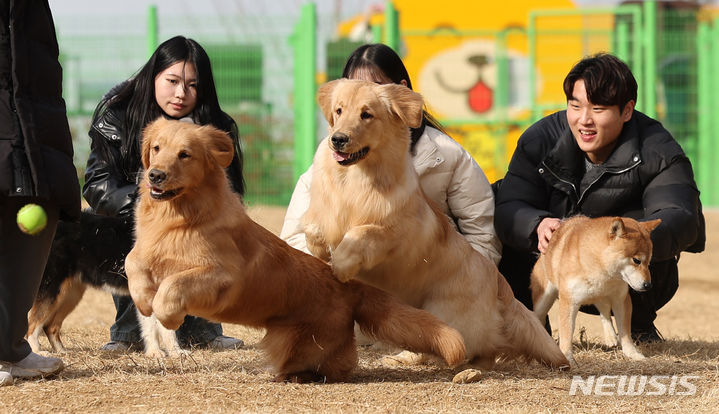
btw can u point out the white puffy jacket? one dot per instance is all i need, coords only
(448, 175)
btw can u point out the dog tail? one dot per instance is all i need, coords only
(525, 334)
(384, 317)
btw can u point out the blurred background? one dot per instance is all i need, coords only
(486, 69)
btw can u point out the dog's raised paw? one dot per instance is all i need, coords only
(468, 376)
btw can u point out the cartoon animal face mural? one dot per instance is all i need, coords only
(460, 82)
(454, 52)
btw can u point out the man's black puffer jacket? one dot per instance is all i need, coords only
(647, 176)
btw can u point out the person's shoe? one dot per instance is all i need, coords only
(6, 379)
(646, 335)
(33, 366)
(225, 342)
(117, 346)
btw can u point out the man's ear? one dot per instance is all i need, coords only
(628, 111)
(324, 99)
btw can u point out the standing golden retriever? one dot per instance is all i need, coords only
(369, 217)
(197, 252)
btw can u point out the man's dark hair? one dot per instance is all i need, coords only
(607, 79)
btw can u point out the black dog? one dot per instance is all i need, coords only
(90, 252)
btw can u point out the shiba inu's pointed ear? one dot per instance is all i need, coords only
(651, 224)
(617, 228)
(220, 149)
(324, 99)
(403, 102)
(150, 131)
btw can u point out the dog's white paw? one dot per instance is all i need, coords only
(153, 352)
(178, 353)
(344, 272)
(610, 342)
(570, 359)
(634, 354)
(345, 264)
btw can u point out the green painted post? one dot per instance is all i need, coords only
(650, 58)
(712, 190)
(637, 60)
(152, 31)
(502, 88)
(304, 44)
(532, 37)
(391, 24)
(376, 33)
(703, 163)
(621, 40)
(501, 102)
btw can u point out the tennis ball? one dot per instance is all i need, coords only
(31, 218)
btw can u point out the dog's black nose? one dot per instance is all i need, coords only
(339, 140)
(647, 285)
(156, 176)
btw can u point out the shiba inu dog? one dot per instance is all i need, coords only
(594, 261)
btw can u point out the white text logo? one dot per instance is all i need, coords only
(633, 385)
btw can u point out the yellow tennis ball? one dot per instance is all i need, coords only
(31, 218)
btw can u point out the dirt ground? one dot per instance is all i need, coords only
(238, 381)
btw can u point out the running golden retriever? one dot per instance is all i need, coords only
(197, 252)
(369, 217)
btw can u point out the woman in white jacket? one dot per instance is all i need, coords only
(447, 173)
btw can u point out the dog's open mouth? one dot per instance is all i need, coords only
(160, 194)
(344, 158)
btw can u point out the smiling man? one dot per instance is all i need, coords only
(599, 157)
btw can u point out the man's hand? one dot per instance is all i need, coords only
(544, 232)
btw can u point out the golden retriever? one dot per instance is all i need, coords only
(197, 252)
(369, 217)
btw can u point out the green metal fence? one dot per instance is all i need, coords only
(252, 62)
(268, 68)
(672, 48)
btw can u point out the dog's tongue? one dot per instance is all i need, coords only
(340, 156)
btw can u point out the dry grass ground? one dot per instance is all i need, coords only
(237, 381)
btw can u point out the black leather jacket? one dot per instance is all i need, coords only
(110, 188)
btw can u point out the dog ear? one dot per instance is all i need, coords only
(617, 229)
(403, 102)
(151, 130)
(221, 148)
(324, 99)
(651, 224)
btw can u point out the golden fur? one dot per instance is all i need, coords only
(197, 252)
(594, 261)
(369, 217)
(48, 315)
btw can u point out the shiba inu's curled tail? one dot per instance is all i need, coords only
(525, 334)
(384, 317)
